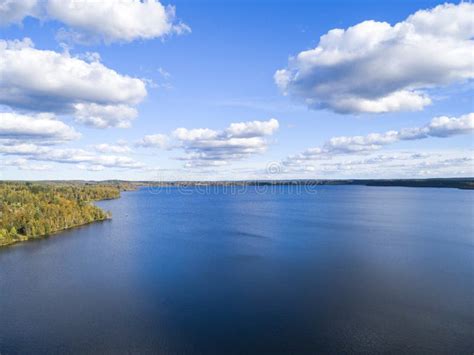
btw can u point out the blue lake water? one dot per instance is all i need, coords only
(336, 269)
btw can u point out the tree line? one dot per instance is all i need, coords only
(29, 210)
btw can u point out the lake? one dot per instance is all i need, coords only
(220, 271)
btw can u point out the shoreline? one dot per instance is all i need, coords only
(456, 183)
(464, 183)
(24, 239)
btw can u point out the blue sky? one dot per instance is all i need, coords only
(216, 66)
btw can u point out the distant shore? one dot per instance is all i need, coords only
(23, 238)
(466, 183)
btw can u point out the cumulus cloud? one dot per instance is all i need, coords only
(106, 20)
(154, 140)
(438, 127)
(207, 147)
(396, 164)
(43, 80)
(449, 126)
(406, 164)
(104, 116)
(117, 20)
(35, 152)
(42, 128)
(111, 148)
(252, 129)
(374, 67)
(197, 134)
(13, 11)
(24, 164)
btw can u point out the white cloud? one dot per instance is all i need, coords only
(374, 67)
(24, 164)
(396, 164)
(117, 20)
(69, 156)
(106, 20)
(438, 127)
(197, 134)
(25, 149)
(204, 164)
(110, 148)
(105, 116)
(13, 11)
(154, 140)
(43, 80)
(42, 128)
(205, 147)
(402, 100)
(253, 128)
(448, 126)
(90, 167)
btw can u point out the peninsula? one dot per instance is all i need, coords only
(31, 210)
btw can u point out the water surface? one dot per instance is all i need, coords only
(345, 269)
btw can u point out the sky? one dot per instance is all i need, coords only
(226, 90)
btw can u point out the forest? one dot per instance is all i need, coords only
(31, 210)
